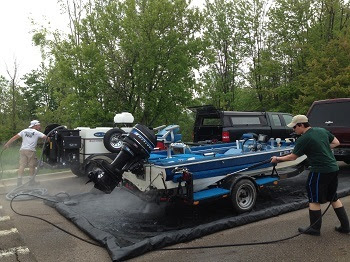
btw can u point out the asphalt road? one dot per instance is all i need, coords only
(45, 242)
(28, 239)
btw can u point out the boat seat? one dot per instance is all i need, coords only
(233, 151)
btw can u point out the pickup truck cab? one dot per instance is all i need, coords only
(213, 125)
(332, 114)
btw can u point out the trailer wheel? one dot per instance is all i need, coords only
(77, 170)
(113, 140)
(243, 195)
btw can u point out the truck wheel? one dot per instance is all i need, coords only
(113, 140)
(243, 195)
(77, 170)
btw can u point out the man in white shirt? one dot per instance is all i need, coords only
(27, 155)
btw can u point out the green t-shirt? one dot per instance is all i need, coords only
(315, 144)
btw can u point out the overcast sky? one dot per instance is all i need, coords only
(15, 27)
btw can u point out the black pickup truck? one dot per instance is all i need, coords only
(213, 125)
(332, 114)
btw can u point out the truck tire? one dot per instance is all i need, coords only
(113, 140)
(243, 195)
(77, 170)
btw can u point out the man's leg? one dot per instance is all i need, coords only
(315, 216)
(32, 162)
(342, 216)
(23, 161)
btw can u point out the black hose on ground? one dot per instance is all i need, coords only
(249, 243)
(42, 219)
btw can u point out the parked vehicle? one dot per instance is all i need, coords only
(331, 114)
(77, 148)
(213, 125)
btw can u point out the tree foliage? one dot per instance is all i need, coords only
(133, 55)
(155, 58)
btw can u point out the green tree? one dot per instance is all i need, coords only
(38, 95)
(4, 108)
(327, 74)
(224, 37)
(136, 56)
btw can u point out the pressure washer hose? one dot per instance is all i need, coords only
(22, 192)
(248, 243)
(252, 243)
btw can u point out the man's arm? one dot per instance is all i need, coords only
(14, 138)
(290, 157)
(334, 143)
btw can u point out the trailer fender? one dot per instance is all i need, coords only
(229, 183)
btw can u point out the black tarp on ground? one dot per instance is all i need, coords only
(129, 227)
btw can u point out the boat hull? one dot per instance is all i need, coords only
(160, 173)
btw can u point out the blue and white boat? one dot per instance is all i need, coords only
(198, 173)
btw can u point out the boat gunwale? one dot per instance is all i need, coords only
(215, 158)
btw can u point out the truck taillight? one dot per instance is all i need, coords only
(225, 136)
(160, 145)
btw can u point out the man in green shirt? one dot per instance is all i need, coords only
(322, 183)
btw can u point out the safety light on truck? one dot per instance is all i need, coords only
(225, 136)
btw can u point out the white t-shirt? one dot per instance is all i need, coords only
(30, 138)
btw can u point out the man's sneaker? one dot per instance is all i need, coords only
(19, 181)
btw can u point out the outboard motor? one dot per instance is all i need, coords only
(137, 146)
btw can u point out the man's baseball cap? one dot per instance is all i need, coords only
(298, 119)
(34, 123)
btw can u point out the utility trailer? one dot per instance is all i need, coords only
(77, 148)
(81, 149)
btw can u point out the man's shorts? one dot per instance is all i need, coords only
(322, 187)
(27, 158)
